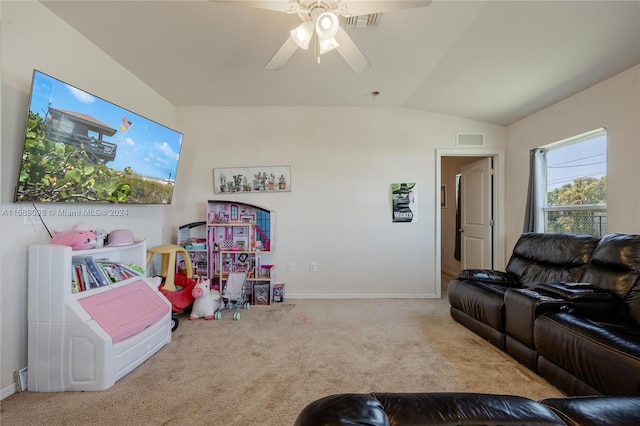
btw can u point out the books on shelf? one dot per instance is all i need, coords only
(88, 273)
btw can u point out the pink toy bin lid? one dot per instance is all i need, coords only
(120, 237)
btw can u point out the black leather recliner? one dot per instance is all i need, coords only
(568, 307)
(477, 296)
(596, 349)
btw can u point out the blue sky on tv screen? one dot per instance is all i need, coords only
(149, 148)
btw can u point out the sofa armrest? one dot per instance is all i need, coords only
(596, 410)
(582, 297)
(575, 292)
(489, 276)
(522, 307)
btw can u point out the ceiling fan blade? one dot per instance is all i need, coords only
(277, 5)
(366, 7)
(350, 52)
(282, 55)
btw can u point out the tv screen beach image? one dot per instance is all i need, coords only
(83, 149)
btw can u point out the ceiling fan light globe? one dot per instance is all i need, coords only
(325, 22)
(327, 45)
(302, 34)
(327, 25)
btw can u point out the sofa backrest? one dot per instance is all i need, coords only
(556, 257)
(615, 267)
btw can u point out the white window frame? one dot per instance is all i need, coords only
(541, 169)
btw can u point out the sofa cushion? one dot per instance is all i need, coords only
(480, 300)
(464, 408)
(539, 258)
(444, 408)
(615, 267)
(596, 410)
(604, 356)
(347, 409)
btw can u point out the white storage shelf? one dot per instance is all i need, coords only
(68, 348)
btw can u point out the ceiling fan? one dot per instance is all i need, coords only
(320, 18)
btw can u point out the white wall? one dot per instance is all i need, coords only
(56, 49)
(614, 104)
(343, 161)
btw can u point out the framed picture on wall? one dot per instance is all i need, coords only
(404, 197)
(443, 196)
(252, 179)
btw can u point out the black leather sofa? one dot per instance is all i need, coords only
(567, 306)
(415, 409)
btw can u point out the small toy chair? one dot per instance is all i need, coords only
(168, 265)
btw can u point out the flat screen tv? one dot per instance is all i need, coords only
(80, 148)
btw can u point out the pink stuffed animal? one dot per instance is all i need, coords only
(206, 302)
(81, 237)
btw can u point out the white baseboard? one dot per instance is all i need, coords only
(8, 391)
(450, 272)
(360, 296)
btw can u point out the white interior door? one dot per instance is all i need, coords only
(476, 215)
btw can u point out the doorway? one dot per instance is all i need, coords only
(474, 236)
(486, 249)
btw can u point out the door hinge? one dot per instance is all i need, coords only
(492, 172)
(492, 222)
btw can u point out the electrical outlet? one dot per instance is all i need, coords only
(31, 220)
(291, 266)
(313, 267)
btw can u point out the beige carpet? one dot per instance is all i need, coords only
(263, 369)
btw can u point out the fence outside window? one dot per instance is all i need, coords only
(590, 219)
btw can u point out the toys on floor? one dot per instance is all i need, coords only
(181, 298)
(233, 294)
(206, 301)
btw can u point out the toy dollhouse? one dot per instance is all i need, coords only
(240, 239)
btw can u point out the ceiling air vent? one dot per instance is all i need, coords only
(469, 139)
(362, 21)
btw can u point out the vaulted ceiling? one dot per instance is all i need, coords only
(493, 61)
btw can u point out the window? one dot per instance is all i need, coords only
(570, 185)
